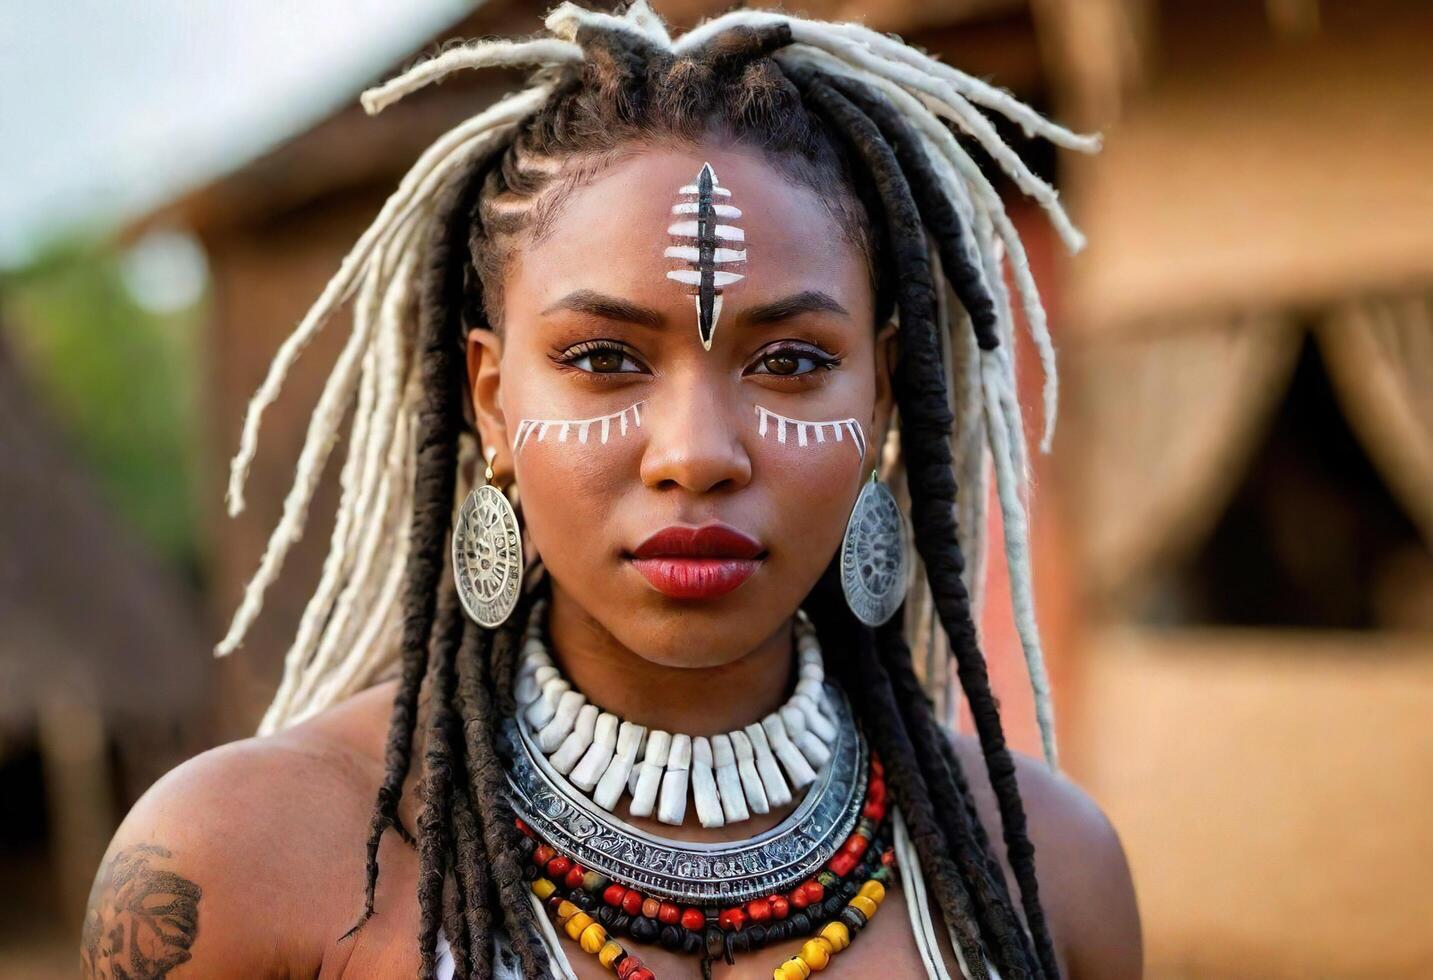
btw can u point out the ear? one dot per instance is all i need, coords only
(886, 352)
(485, 353)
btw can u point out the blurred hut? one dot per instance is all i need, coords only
(100, 690)
(1248, 468)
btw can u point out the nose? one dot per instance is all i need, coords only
(694, 441)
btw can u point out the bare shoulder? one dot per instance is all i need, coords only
(1084, 877)
(227, 863)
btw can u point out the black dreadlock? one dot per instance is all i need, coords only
(440, 421)
(926, 422)
(825, 132)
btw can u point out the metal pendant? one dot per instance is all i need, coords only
(875, 555)
(487, 556)
(692, 872)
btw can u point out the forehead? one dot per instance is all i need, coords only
(611, 233)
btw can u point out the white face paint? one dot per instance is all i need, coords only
(599, 428)
(705, 238)
(805, 434)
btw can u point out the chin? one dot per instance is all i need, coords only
(690, 636)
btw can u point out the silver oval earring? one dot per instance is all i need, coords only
(487, 552)
(875, 555)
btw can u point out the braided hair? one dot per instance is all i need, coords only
(860, 116)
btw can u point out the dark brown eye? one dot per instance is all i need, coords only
(600, 357)
(606, 361)
(782, 363)
(792, 362)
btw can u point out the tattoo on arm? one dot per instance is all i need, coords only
(142, 919)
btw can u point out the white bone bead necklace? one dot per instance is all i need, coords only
(727, 777)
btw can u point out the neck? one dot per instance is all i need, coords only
(692, 700)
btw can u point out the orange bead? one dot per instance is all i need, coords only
(592, 938)
(576, 925)
(816, 953)
(609, 952)
(864, 905)
(793, 969)
(873, 890)
(837, 934)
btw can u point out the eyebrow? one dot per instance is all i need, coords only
(809, 301)
(593, 303)
(596, 304)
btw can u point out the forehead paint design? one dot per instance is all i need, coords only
(807, 431)
(605, 424)
(705, 242)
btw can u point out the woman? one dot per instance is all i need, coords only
(665, 722)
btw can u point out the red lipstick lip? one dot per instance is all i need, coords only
(707, 541)
(698, 562)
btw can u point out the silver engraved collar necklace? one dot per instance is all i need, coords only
(688, 871)
(728, 776)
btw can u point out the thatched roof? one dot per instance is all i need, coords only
(85, 613)
(1253, 173)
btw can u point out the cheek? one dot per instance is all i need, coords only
(811, 488)
(569, 490)
(581, 477)
(570, 469)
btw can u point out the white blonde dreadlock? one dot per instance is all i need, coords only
(344, 640)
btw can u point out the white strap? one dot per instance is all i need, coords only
(446, 967)
(561, 966)
(919, 908)
(917, 905)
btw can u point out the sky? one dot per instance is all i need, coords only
(109, 108)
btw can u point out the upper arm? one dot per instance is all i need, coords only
(143, 913)
(1114, 945)
(204, 875)
(1079, 851)
(1085, 885)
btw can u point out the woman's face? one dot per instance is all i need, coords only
(617, 422)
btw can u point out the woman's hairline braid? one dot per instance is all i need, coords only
(936, 209)
(485, 837)
(495, 261)
(493, 253)
(437, 827)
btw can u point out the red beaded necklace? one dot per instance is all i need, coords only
(830, 906)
